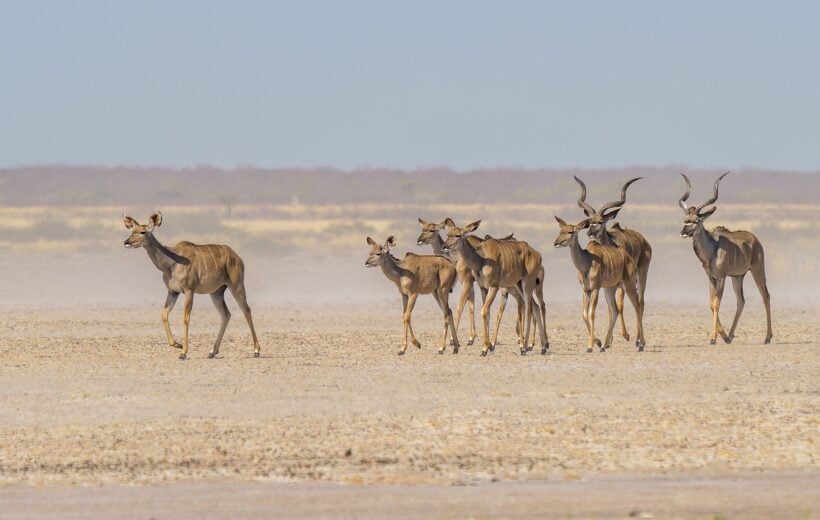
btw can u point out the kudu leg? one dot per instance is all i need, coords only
(485, 317)
(632, 294)
(585, 309)
(238, 292)
(467, 293)
(471, 310)
(612, 309)
(542, 308)
(441, 296)
(170, 301)
(759, 275)
(218, 299)
(527, 290)
(501, 306)
(445, 300)
(403, 348)
(716, 290)
(593, 305)
(408, 327)
(737, 285)
(187, 305)
(620, 308)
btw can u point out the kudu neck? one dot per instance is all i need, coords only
(162, 257)
(580, 256)
(390, 267)
(470, 256)
(703, 243)
(438, 245)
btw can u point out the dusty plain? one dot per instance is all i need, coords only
(94, 397)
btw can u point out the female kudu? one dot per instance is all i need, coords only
(190, 269)
(601, 267)
(414, 275)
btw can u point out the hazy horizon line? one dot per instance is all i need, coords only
(387, 168)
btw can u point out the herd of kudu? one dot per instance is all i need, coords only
(615, 259)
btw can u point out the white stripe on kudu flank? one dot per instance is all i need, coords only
(216, 266)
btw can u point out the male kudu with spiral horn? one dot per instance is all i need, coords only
(636, 246)
(725, 253)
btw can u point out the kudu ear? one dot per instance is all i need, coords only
(472, 226)
(129, 222)
(391, 242)
(583, 224)
(155, 220)
(708, 213)
(423, 222)
(371, 242)
(609, 215)
(560, 220)
(448, 222)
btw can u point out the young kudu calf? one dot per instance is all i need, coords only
(725, 253)
(601, 267)
(500, 264)
(635, 244)
(430, 235)
(414, 275)
(190, 269)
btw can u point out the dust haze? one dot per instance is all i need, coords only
(302, 232)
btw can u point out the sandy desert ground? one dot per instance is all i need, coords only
(93, 397)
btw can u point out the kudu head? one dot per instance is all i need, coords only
(457, 235)
(695, 215)
(378, 252)
(429, 230)
(598, 219)
(140, 232)
(568, 232)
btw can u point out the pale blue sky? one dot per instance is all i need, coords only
(411, 84)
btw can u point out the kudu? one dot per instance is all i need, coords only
(193, 269)
(430, 236)
(601, 267)
(725, 253)
(414, 275)
(500, 264)
(635, 244)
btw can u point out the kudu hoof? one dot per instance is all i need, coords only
(626, 337)
(545, 349)
(589, 349)
(176, 345)
(524, 351)
(767, 341)
(182, 356)
(401, 352)
(712, 341)
(602, 349)
(417, 344)
(483, 353)
(727, 340)
(256, 354)
(455, 349)
(470, 341)
(211, 355)
(440, 351)
(640, 345)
